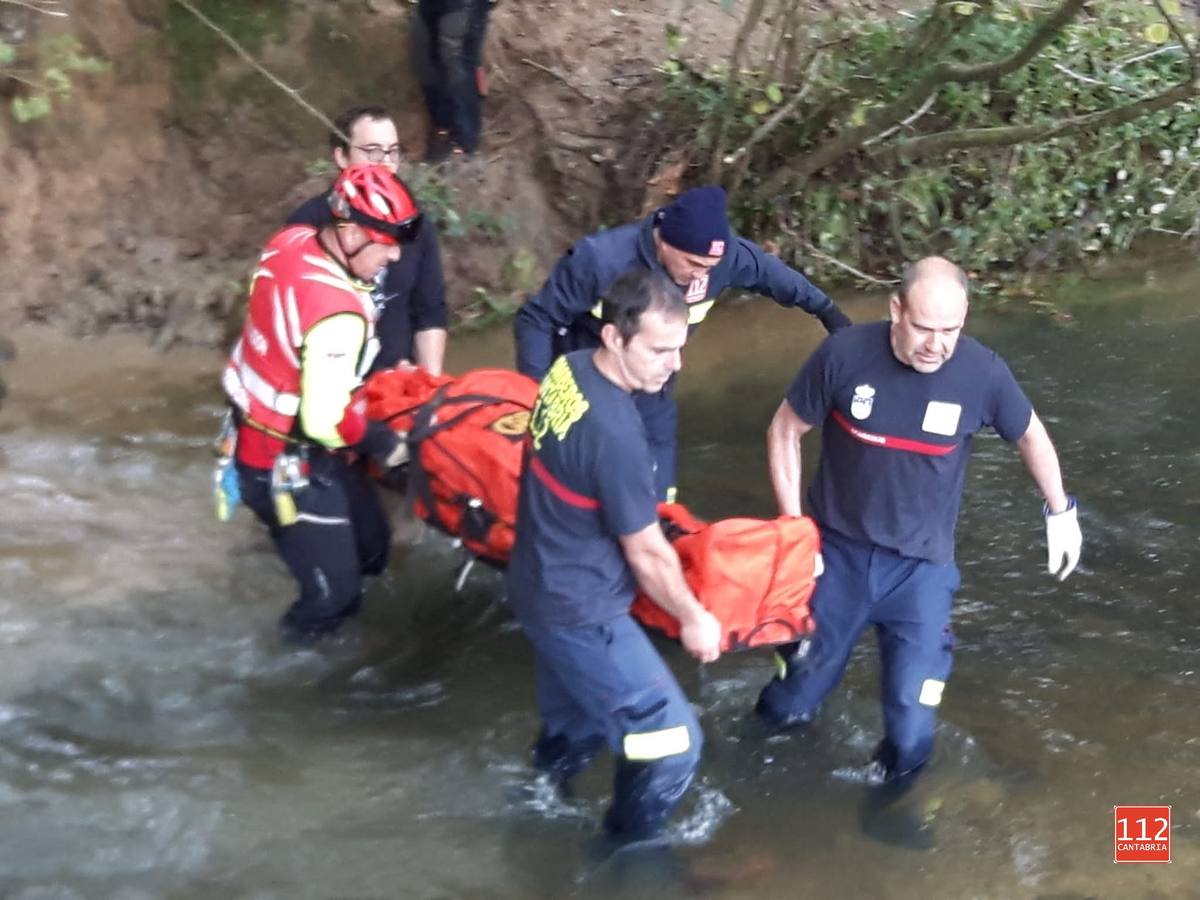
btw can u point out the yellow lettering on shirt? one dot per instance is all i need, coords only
(560, 404)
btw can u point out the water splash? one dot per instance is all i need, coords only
(711, 809)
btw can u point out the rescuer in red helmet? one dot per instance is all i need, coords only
(292, 378)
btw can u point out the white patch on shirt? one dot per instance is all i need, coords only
(941, 418)
(697, 289)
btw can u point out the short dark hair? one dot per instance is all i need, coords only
(928, 267)
(636, 292)
(344, 124)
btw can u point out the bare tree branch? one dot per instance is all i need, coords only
(45, 7)
(258, 67)
(764, 130)
(732, 87)
(903, 123)
(1143, 56)
(930, 36)
(1037, 42)
(850, 139)
(1078, 76)
(847, 267)
(561, 77)
(967, 138)
(20, 79)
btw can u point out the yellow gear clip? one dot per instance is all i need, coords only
(285, 507)
(286, 477)
(226, 495)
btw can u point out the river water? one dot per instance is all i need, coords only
(156, 740)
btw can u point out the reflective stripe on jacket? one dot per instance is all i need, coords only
(295, 286)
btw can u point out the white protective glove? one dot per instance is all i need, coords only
(1064, 540)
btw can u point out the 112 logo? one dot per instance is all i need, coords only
(1141, 834)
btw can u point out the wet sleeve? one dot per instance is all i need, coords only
(571, 290)
(757, 270)
(624, 477)
(428, 308)
(811, 393)
(1008, 410)
(328, 377)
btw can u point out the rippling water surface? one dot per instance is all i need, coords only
(156, 741)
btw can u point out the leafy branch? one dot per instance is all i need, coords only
(998, 131)
(913, 149)
(853, 137)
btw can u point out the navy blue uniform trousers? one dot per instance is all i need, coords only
(447, 47)
(341, 534)
(908, 601)
(606, 684)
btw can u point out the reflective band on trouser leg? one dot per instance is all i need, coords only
(781, 666)
(651, 745)
(931, 692)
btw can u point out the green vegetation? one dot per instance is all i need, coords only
(1006, 134)
(519, 277)
(519, 272)
(198, 50)
(44, 73)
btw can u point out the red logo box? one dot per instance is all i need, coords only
(1141, 834)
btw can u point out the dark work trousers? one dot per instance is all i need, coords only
(606, 684)
(660, 415)
(447, 47)
(908, 601)
(341, 534)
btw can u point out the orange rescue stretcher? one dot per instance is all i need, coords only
(466, 443)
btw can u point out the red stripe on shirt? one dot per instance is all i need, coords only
(557, 488)
(891, 441)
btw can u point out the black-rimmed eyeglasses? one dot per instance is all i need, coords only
(376, 153)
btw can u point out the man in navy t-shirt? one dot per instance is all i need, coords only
(587, 535)
(898, 404)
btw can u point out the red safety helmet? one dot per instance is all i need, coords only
(375, 198)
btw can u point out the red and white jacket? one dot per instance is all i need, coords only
(295, 286)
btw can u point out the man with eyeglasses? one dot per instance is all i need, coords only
(410, 293)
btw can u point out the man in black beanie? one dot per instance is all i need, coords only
(690, 241)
